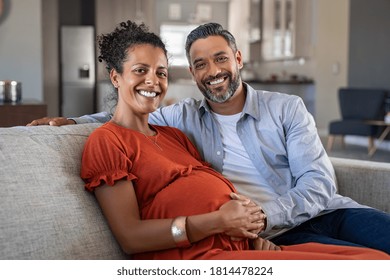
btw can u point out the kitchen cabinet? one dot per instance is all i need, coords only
(13, 114)
(286, 29)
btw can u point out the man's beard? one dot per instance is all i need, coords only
(234, 83)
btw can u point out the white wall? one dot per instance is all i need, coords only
(238, 25)
(331, 53)
(21, 47)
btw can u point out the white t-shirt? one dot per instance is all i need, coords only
(237, 166)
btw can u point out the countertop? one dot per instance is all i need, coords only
(281, 82)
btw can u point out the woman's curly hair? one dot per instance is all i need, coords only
(114, 46)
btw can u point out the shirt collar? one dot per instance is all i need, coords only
(204, 107)
(251, 106)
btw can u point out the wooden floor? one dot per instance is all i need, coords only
(353, 151)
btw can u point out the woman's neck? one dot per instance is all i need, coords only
(132, 121)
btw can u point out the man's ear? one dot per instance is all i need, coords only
(239, 59)
(190, 69)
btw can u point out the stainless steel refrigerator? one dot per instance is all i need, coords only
(77, 70)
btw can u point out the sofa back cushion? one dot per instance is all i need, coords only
(46, 213)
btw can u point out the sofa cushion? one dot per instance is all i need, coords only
(367, 182)
(46, 213)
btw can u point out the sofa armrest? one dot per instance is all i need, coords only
(366, 182)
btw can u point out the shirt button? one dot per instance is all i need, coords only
(218, 153)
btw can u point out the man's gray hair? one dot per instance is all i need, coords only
(209, 29)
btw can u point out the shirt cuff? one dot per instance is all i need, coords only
(275, 214)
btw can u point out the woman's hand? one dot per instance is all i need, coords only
(241, 219)
(265, 245)
(247, 201)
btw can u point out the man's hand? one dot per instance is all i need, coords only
(265, 245)
(55, 121)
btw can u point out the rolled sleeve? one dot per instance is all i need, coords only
(101, 117)
(313, 182)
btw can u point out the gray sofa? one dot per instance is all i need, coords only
(47, 214)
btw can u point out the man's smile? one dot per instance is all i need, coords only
(215, 82)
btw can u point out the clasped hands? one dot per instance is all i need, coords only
(244, 219)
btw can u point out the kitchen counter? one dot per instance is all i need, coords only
(281, 82)
(304, 89)
(21, 113)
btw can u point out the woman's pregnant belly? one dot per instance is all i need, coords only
(198, 192)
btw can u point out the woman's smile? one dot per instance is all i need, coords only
(151, 94)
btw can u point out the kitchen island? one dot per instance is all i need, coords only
(304, 89)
